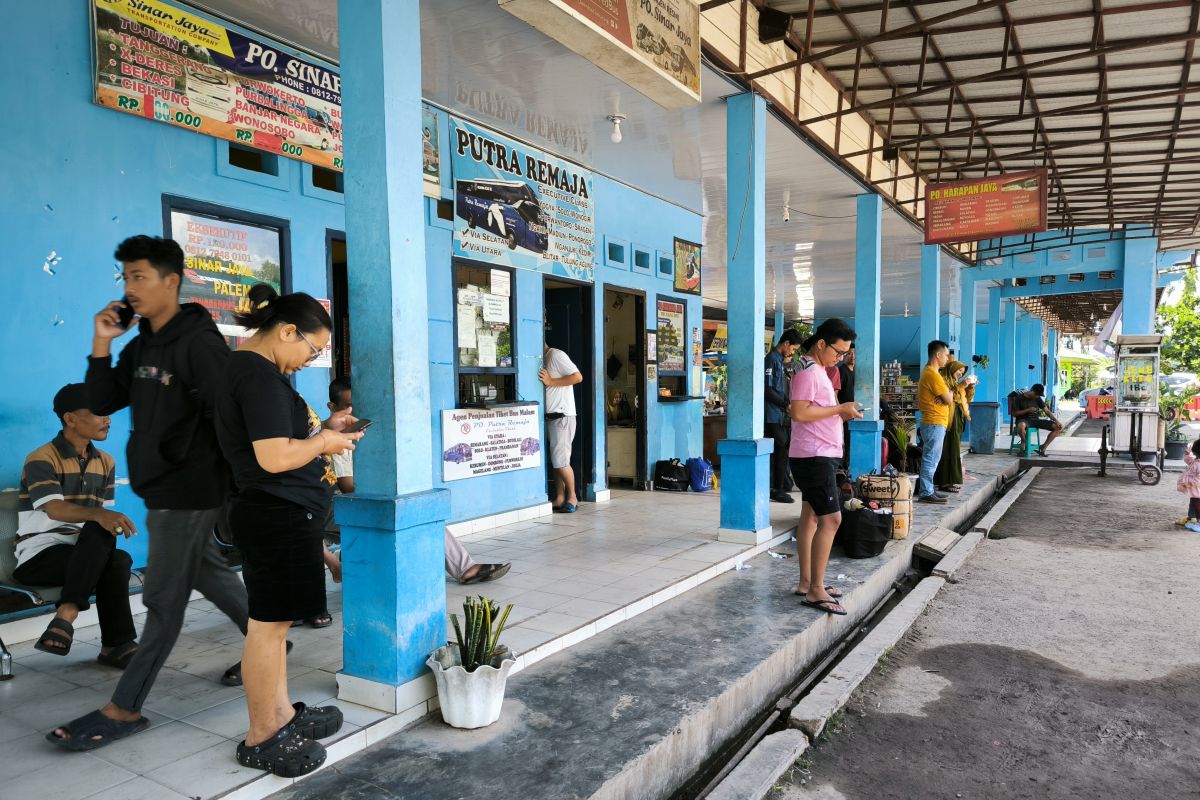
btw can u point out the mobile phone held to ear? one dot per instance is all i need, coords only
(359, 426)
(125, 313)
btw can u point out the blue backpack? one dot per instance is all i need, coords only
(700, 474)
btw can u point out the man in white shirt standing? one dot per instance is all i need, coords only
(560, 375)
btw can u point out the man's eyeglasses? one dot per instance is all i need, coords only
(315, 352)
(840, 353)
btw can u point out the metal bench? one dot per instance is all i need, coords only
(38, 595)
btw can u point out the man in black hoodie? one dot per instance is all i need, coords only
(166, 376)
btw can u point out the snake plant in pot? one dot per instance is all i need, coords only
(471, 672)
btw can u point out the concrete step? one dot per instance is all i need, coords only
(641, 707)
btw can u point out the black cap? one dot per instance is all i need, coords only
(1038, 389)
(71, 397)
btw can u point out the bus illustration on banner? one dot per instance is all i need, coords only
(509, 209)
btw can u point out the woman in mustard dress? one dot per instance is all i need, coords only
(949, 475)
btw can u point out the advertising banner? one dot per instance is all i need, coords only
(157, 61)
(652, 45)
(986, 208)
(671, 349)
(222, 260)
(687, 267)
(431, 158)
(487, 441)
(518, 207)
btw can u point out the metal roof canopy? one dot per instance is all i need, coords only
(1099, 92)
(1082, 314)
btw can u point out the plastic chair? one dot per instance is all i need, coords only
(1015, 445)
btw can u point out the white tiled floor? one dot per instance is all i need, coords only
(572, 576)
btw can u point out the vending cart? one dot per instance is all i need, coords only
(1135, 428)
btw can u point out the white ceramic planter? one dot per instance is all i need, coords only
(469, 699)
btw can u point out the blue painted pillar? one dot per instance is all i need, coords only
(966, 331)
(779, 321)
(866, 433)
(1007, 379)
(1052, 367)
(992, 372)
(1138, 281)
(931, 294)
(394, 595)
(745, 455)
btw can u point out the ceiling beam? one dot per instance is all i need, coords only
(1041, 50)
(1042, 19)
(883, 36)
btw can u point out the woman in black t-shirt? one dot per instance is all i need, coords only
(279, 452)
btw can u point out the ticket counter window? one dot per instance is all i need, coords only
(483, 332)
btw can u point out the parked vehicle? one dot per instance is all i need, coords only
(509, 209)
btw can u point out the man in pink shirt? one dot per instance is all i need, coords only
(816, 455)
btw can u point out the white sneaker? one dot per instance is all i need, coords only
(1193, 526)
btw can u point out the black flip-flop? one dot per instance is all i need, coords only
(119, 656)
(821, 605)
(233, 675)
(320, 620)
(82, 732)
(829, 589)
(489, 572)
(52, 634)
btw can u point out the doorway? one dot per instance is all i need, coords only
(568, 327)
(624, 369)
(339, 295)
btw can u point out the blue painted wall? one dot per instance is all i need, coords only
(622, 213)
(80, 179)
(83, 177)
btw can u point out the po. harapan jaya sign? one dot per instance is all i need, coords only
(652, 45)
(158, 61)
(517, 206)
(986, 208)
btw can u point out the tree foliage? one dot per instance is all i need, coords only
(1180, 325)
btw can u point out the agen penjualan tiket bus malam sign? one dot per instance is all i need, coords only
(155, 60)
(986, 208)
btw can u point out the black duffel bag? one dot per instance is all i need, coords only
(863, 533)
(670, 476)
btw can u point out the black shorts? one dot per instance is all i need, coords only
(1038, 422)
(816, 479)
(283, 564)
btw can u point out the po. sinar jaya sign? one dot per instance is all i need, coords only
(986, 208)
(158, 61)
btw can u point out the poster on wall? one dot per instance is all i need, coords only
(671, 346)
(516, 206)
(222, 259)
(985, 208)
(158, 61)
(431, 158)
(479, 442)
(652, 45)
(325, 359)
(687, 267)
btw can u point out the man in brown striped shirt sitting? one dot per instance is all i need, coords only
(66, 537)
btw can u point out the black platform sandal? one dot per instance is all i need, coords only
(119, 656)
(286, 754)
(316, 722)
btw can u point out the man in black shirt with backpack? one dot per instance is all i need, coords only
(166, 376)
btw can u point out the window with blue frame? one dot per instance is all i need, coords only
(484, 335)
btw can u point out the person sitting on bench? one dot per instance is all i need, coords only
(1027, 410)
(66, 537)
